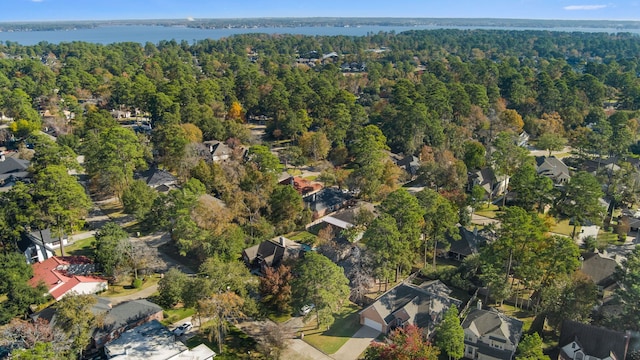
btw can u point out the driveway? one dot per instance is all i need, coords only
(358, 343)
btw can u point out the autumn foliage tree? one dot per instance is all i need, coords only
(235, 111)
(275, 287)
(406, 343)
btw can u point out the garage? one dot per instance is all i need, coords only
(373, 324)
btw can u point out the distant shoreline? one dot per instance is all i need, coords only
(23, 26)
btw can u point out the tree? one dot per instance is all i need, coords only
(220, 308)
(530, 348)
(450, 334)
(408, 214)
(14, 275)
(63, 202)
(440, 219)
(382, 238)
(314, 145)
(580, 200)
(628, 276)
(76, 319)
(369, 157)
(266, 161)
(275, 287)
(573, 298)
(276, 339)
(404, 343)
(507, 157)
(171, 287)
(285, 208)
(236, 112)
(41, 351)
(533, 190)
(138, 198)
(112, 157)
(551, 141)
(321, 282)
(111, 242)
(474, 154)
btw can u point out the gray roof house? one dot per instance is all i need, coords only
(39, 245)
(600, 269)
(580, 341)
(12, 169)
(489, 334)
(153, 341)
(158, 179)
(468, 244)
(493, 185)
(271, 253)
(408, 304)
(123, 317)
(553, 168)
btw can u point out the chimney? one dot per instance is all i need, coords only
(283, 241)
(2, 158)
(479, 305)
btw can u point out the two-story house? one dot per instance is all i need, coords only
(580, 341)
(490, 335)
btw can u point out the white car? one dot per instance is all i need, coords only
(306, 309)
(182, 329)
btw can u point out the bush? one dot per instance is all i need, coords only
(137, 283)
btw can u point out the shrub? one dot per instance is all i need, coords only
(137, 283)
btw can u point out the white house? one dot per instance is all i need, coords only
(490, 335)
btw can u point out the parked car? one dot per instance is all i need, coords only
(182, 329)
(306, 309)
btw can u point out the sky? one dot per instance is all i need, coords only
(52, 10)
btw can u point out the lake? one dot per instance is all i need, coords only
(154, 34)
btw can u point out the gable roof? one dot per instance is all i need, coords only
(155, 177)
(468, 243)
(421, 305)
(552, 167)
(593, 340)
(272, 252)
(12, 166)
(125, 314)
(327, 198)
(493, 323)
(62, 274)
(599, 268)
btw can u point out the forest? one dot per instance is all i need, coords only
(456, 100)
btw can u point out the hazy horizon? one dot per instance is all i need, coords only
(71, 10)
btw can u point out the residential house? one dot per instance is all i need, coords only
(523, 139)
(553, 168)
(345, 218)
(408, 304)
(469, 243)
(600, 269)
(326, 201)
(39, 245)
(220, 151)
(160, 180)
(271, 253)
(580, 341)
(410, 164)
(485, 178)
(123, 317)
(596, 166)
(304, 187)
(153, 341)
(12, 169)
(490, 335)
(69, 274)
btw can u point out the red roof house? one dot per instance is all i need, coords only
(62, 275)
(303, 186)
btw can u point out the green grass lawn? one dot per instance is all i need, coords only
(173, 315)
(303, 237)
(346, 324)
(238, 345)
(563, 227)
(523, 315)
(124, 286)
(488, 210)
(80, 247)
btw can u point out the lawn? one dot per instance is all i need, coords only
(80, 247)
(173, 315)
(564, 228)
(238, 345)
(303, 237)
(124, 287)
(346, 324)
(488, 210)
(523, 315)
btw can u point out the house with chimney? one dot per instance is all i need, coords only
(580, 341)
(40, 245)
(490, 334)
(271, 253)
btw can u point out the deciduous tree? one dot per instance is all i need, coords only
(450, 334)
(405, 343)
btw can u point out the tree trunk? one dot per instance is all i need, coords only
(435, 249)
(506, 278)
